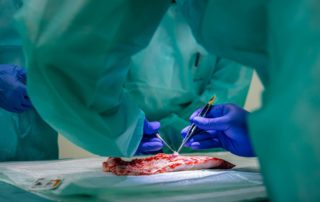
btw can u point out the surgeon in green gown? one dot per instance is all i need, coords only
(155, 82)
(79, 53)
(23, 134)
(280, 39)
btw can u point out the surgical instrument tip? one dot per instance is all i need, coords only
(158, 136)
(193, 127)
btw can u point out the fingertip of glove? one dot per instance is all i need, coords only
(195, 145)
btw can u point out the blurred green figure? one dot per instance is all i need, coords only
(79, 53)
(24, 135)
(174, 75)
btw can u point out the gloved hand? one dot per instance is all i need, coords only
(150, 144)
(224, 126)
(13, 93)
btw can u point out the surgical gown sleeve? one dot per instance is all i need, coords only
(285, 131)
(77, 61)
(231, 29)
(229, 81)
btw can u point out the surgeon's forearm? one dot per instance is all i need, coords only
(78, 55)
(229, 82)
(231, 29)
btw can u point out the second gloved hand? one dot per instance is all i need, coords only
(150, 144)
(13, 93)
(224, 126)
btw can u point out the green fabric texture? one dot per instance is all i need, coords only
(230, 32)
(23, 136)
(79, 52)
(285, 131)
(278, 38)
(289, 122)
(173, 76)
(12, 193)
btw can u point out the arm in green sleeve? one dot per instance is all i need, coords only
(229, 81)
(230, 29)
(77, 61)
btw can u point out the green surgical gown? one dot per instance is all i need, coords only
(23, 136)
(77, 82)
(173, 76)
(79, 52)
(281, 39)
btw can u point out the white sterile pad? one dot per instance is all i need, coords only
(83, 179)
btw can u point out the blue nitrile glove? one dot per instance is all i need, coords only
(224, 126)
(150, 144)
(13, 93)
